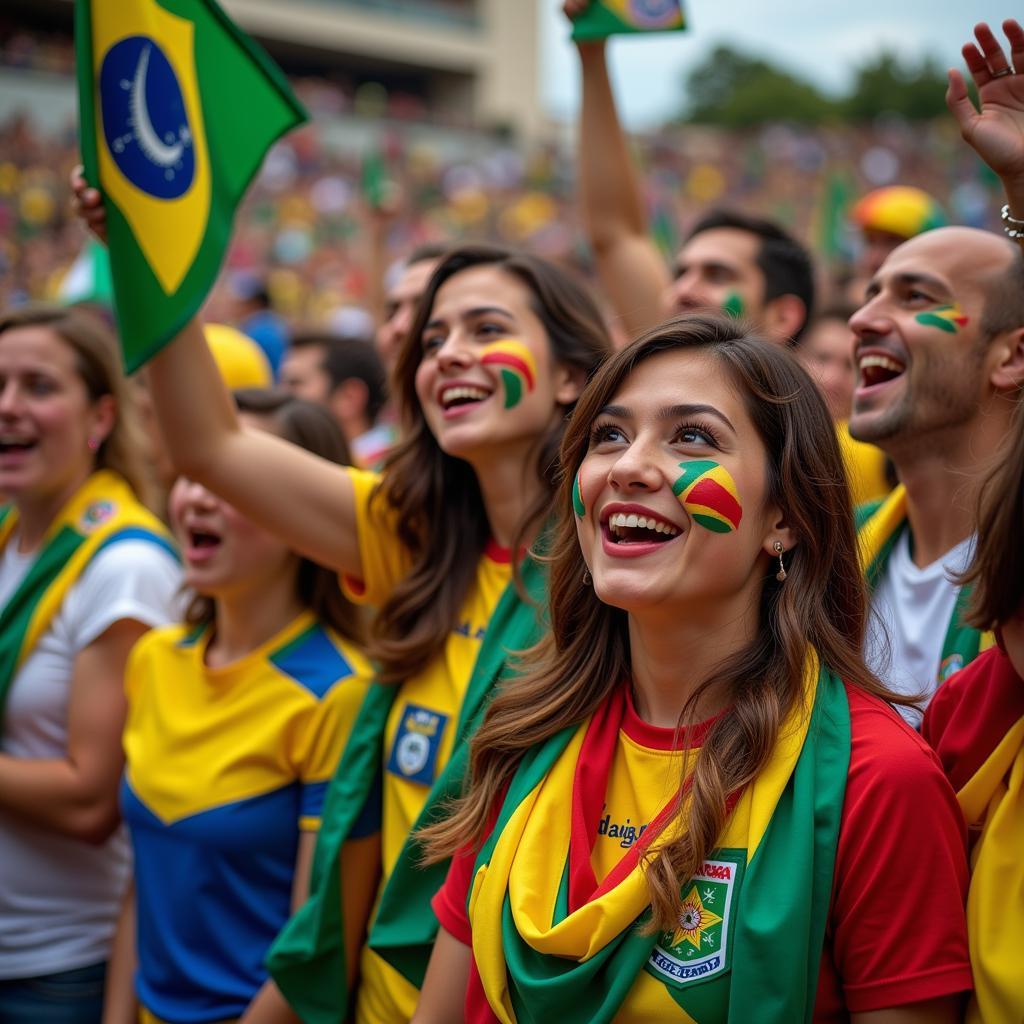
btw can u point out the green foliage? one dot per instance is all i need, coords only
(887, 85)
(732, 89)
(736, 90)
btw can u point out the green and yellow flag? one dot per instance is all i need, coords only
(611, 17)
(177, 109)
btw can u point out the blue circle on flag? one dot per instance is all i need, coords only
(144, 120)
(654, 13)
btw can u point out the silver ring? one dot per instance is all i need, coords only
(1003, 73)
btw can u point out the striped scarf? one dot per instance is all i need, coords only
(551, 943)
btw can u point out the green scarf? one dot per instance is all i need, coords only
(880, 525)
(307, 961)
(102, 512)
(538, 958)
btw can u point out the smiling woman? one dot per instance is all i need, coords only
(85, 570)
(236, 719)
(718, 708)
(435, 544)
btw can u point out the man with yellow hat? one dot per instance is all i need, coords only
(887, 217)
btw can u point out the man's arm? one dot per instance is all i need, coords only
(632, 271)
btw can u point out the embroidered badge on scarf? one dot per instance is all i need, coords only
(699, 948)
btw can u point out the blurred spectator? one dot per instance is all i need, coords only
(827, 353)
(302, 231)
(345, 376)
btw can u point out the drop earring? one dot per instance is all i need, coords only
(587, 578)
(779, 550)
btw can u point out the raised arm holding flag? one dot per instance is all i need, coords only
(178, 108)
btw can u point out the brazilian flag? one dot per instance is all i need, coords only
(612, 17)
(178, 107)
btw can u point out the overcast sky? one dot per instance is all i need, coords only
(824, 42)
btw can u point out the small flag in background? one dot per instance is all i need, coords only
(177, 109)
(88, 278)
(609, 17)
(376, 185)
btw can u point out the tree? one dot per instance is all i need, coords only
(733, 89)
(887, 85)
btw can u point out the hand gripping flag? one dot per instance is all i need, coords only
(611, 17)
(177, 110)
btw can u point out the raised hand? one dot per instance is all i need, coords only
(88, 204)
(997, 132)
(574, 8)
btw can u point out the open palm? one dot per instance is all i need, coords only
(996, 133)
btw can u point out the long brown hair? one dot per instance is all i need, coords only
(311, 427)
(997, 572)
(98, 365)
(821, 606)
(440, 511)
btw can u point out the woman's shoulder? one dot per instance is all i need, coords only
(174, 640)
(352, 652)
(885, 752)
(971, 712)
(133, 579)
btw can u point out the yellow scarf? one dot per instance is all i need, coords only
(994, 799)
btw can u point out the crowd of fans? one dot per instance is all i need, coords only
(309, 219)
(439, 638)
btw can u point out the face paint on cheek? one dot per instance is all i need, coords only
(516, 366)
(577, 499)
(946, 318)
(707, 492)
(733, 305)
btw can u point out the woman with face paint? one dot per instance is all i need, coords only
(236, 720)
(697, 805)
(500, 349)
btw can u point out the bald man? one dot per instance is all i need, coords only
(939, 351)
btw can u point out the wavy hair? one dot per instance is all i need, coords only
(822, 606)
(997, 571)
(440, 511)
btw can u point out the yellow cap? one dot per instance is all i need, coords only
(899, 210)
(241, 361)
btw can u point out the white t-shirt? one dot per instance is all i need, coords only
(910, 613)
(59, 897)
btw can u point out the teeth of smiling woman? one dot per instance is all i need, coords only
(473, 394)
(622, 521)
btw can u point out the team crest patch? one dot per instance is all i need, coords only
(414, 752)
(700, 946)
(949, 667)
(96, 515)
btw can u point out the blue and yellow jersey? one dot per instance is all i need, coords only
(420, 730)
(225, 766)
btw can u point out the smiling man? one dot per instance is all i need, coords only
(939, 348)
(730, 261)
